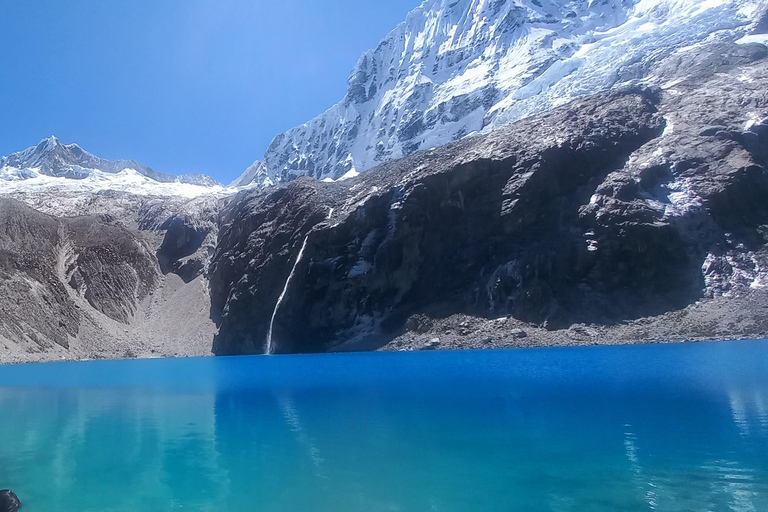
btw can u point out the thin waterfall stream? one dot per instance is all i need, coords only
(270, 347)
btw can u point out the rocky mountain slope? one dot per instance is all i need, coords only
(53, 166)
(107, 258)
(638, 213)
(611, 209)
(118, 275)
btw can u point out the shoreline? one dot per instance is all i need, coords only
(387, 349)
(734, 318)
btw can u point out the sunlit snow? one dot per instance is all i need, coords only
(127, 180)
(456, 67)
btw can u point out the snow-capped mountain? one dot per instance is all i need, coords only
(53, 165)
(460, 67)
(255, 175)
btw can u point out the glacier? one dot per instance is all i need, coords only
(457, 68)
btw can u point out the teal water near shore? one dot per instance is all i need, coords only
(657, 427)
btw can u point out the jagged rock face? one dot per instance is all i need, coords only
(260, 236)
(441, 235)
(182, 230)
(183, 239)
(190, 235)
(47, 263)
(456, 67)
(614, 207)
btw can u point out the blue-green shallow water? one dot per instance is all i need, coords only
(665, 427)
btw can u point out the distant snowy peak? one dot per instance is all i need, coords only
(458, 67)
(52, 158)
(255, 175)
(51, 164)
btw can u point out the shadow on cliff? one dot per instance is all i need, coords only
(601, 211)
(487, 226)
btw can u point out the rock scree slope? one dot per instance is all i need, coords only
(93, 286)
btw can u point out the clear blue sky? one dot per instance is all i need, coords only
(178, 85)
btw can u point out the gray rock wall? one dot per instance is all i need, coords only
(104, 284)
(609, 209)
(47, 263)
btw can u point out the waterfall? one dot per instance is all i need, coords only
(270, 347)
(282, 296)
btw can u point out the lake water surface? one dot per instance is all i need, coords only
(663, 427)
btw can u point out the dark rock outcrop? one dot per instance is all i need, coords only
(9, 502)
(611, 208)
(261, 235)
(189, 231)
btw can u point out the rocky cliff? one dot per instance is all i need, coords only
(617, 207)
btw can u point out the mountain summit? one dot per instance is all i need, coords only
(459, 67)
(53, 164)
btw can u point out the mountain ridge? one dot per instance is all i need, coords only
(51, 163)
(455, 68)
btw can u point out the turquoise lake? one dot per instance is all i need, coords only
(680, 427)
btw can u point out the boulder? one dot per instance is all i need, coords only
(9, 502)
